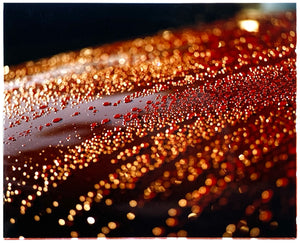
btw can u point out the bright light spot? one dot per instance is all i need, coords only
(122, 61)
(192, 215)
(230, 228)
(37, 218)
(249, 25)
(55, 204)
(172, 212)
(108, 202)
(86, 207)
(61, 222)
(6, 70)
(133, 203)
(78, 207)
(157, 231)
(90, 220)
(171, 222)
(182, 203)
(112, 225)
(167, 35)
(131, 216)
(105, 230)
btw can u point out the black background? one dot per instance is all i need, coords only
(36, 30)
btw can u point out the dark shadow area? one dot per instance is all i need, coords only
(36, 30)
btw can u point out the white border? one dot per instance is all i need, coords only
(145, 1)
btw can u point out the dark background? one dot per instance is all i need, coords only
(36, 30)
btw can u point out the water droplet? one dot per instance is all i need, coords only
(43, 106)
(57, 119)
(117, 116)
(76, 113)
(94, 124)
(127, 99)
(104, 121)
(106, 104)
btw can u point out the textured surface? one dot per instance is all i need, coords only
(188, 133)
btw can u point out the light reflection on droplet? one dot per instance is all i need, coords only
(131, 216)
(133, 203)
(230, 228)
(157, 231)
(91, 220)
(61, 222)
(112, 225)
(74, 234)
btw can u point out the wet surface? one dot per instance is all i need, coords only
(189, 134)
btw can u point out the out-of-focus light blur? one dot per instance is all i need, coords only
(275, 7)
(249, 25)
